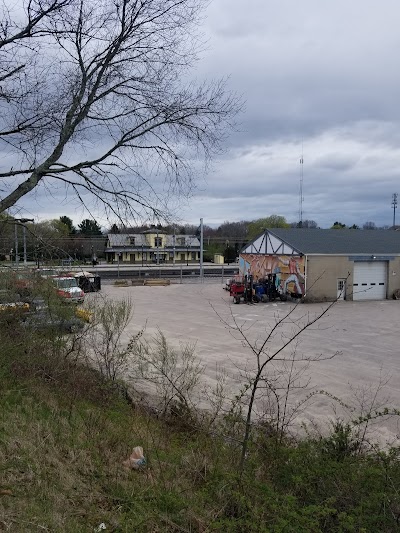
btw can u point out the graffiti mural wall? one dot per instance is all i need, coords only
(289, 270)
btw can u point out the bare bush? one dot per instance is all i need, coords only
(103, 341)
(173, 373)
(355, 419)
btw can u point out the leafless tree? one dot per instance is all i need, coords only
(369, 225)
(309, 224)
(95, 99)
(234, 232)
(21, 29)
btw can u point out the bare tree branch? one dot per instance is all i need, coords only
(105, 78)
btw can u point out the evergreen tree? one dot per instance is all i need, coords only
(89, 228)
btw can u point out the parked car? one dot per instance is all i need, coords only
(68, 289)
(227, 285)
(45, 321)
(47, 272)
(23, 281)
(11, 307)
(10, 302)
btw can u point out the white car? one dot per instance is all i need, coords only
(227, 285)
(46, 273)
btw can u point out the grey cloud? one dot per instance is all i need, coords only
(345, 177)
(313, 63)
(336, 161)
(319, 74)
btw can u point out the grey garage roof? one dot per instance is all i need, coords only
(340, 241)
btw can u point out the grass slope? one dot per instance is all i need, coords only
(65, 433)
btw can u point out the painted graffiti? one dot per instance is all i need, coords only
(289, 270)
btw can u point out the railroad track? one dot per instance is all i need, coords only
(169, 273)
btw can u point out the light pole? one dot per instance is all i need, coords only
(16, 246)
(24, 241)
(187, 254)
(93, 259)
(22, 221)
(142, 254)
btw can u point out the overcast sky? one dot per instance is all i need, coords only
(319, 78)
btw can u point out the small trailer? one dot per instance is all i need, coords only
(237, 290)
(87, 281)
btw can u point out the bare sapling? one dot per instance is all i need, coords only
(278, 369)
(289, 379)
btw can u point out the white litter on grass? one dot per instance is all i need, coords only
(100, 527)
(135, 460)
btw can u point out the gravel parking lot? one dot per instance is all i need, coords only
(364, 333)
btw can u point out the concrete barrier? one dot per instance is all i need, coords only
(157, 282)
(121, 283)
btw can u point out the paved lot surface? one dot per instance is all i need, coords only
(365, 333)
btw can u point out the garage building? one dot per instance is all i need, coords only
(322, 265)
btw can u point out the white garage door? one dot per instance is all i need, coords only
(370, 280)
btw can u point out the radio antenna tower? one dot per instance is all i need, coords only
(301, 189)
(394, 204)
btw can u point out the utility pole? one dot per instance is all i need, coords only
(158, 254)
(301, 189)
(394, 204)
(173, 243)
(201, 250)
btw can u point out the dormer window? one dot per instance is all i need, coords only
(181, 241)
(132, 241)
(157, 241)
